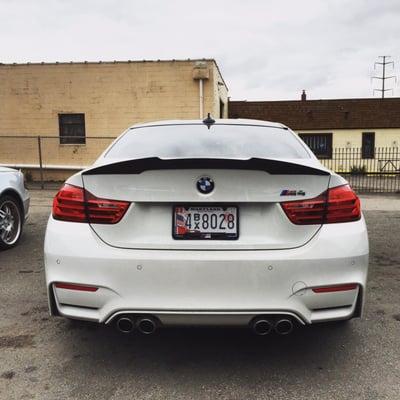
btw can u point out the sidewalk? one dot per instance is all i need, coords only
(380, 202)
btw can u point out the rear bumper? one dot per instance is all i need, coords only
(206, 287)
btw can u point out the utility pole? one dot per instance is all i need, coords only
(383, 78)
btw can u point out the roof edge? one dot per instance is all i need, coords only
(118, 62)
(315, 100)
(111, 62)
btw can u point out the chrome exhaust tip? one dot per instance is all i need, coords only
(146, 325)
(125, 325)
(284, 327)
(261, 326)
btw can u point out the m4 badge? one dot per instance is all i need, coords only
(288, 192)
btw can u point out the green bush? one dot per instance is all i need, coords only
(358, 170)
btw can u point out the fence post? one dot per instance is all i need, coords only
(40, 161)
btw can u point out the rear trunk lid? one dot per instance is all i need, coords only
(256, 186)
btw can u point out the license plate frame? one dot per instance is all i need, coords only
(206, 235)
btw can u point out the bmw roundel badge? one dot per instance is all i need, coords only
(205, 185)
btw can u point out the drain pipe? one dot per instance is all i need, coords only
(201, 73)
(201, 94)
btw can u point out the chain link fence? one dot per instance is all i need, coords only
(47, 162)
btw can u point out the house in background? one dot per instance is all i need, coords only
(78, 107)
(326, 125)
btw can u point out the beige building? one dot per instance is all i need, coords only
(77, 108)
(344, 133)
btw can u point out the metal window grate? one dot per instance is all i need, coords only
(320, 143)
(72, 128)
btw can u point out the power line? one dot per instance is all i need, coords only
(383, 78)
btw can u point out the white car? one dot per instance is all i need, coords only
(14, 206)
(227, 222)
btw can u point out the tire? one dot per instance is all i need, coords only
(11, 221)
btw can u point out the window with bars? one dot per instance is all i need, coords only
(72, 128)
(368, 145)
(319, 143)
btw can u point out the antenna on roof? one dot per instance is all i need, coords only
(383, 77)
(209, 121)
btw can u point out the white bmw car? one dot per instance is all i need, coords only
(226, 222)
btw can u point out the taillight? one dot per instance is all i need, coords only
(74, 204)
(339, 204)
(69, 204)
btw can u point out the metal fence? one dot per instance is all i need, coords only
(46, 162)
(379, 173)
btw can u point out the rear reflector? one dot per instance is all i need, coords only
(74, 204)
(339, 204)
(338, 288)
(71, 286)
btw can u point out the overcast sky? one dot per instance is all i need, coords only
(266, 50)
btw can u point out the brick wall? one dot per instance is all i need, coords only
(323, 114)
(113, 96)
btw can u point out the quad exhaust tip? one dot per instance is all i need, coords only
(283, 326)
(146, 325)
(262, 326)
(125, 325)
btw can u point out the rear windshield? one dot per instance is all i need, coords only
(197, 141)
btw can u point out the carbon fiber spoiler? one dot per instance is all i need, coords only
(137, 166)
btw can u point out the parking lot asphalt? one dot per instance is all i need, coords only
(52, 358)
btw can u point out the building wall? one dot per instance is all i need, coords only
(348, 153)
(345, 138)
(220, 94)
(345, 119)
(113, 96)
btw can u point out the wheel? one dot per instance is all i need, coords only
(10, 222)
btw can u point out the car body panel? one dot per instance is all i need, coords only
(147, 223)
(225, 282)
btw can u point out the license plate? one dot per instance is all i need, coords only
(201, 223)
